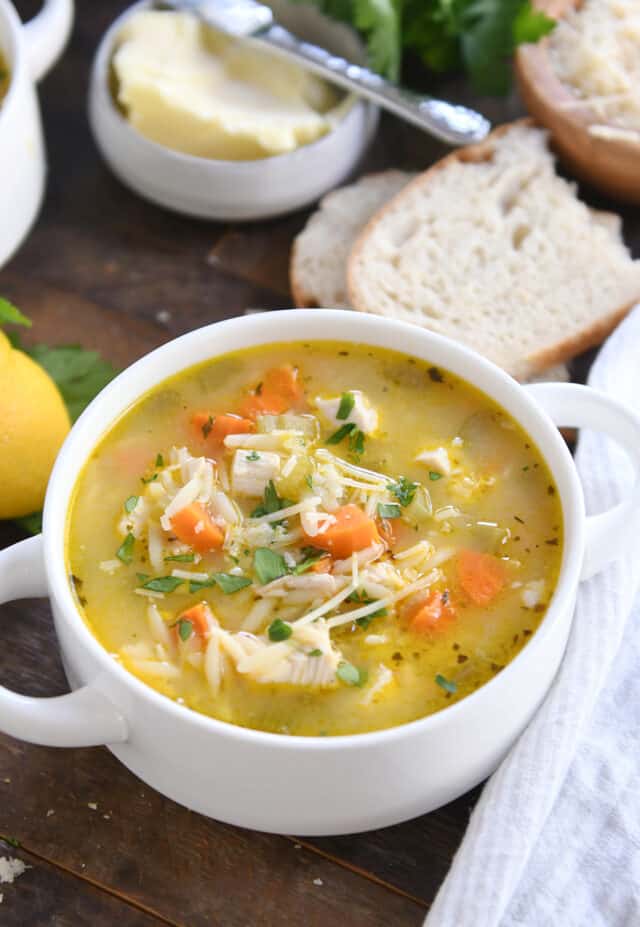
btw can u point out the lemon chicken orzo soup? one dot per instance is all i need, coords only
(314, 539)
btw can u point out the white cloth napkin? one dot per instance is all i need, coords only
(554, 840)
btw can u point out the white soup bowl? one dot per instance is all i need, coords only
(309, 785)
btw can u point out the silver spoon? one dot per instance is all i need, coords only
(254, 23)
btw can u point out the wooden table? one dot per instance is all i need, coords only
(106, 269)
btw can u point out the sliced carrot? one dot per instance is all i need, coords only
(215, 428)
(482, 576)
(431, 613)
(323, 565)
(194, 526)
(197, 616)
(351, 531)
(280, 390)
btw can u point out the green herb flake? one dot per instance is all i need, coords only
(195, 585)
(149, 479)
(181, 558)
(268, 565)
(159, 460)
(351, 675)
(253, 456)
(434, 475)
(185, 629)
(315, 653)
(142, 577)
(308, 562)
(341, 433)
(446, 684)
(279, 630)
(230, 583)
(356, 443)
(271, 502)
(347, 402)
(206, 428)
(309, 481)
(163, 584)
(403, 490)
(366, 620)
(130, 504)
(11, 315)
(125, 551)
(389, 510)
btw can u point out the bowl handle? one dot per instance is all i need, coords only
(570, 405)
(84, 718)
(46, 35)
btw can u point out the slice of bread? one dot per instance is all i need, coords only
(318, 268)
(492, 248)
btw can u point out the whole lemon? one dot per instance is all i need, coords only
(33, 424)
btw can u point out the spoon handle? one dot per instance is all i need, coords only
(456, 125)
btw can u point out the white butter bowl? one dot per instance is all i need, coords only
(233, 190)
(311, 785)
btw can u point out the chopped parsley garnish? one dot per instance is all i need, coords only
(253, 456)
(229, 583)
(206, 428)
(309, 480)
(159, 460)
(271, 502)
(185, 629)
(434, 475)
(130, 504)
(279, 630)
(347, 402)
(446, 684)
(142, 577)
(125, 551)
(315, 653)
(309, 561)
(366, 620)
(341, 433)
(389, 510)
(163, 584)
(150, 479)
(404, 490)
(181, 558)
(356, 443)
(351, 675)
(268, 565)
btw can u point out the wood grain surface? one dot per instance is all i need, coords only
(104, 268)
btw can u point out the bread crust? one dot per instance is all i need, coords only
(535, 363)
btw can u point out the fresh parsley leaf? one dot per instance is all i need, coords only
(316, 652)
(125, 551)
(159, 460)
(142, 577)
(163, 584)
(366, 620)
(309, 480)
(341, 433)
(78, 374)
(268, 565)
(195, 585)
(230, 583)
(446, 684)
(279, 630)
(351, 675)
(379, 20)
(434, 475)
(403, 490)
(149, 479)
(11, 315)
(181, 558)
(185, 629)
(347, 402)
(531, 25)
(130, 504)
(253, 456)
(308, 562)
(389, 510)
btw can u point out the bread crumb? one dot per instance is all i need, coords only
(11, 869)
(318, 882)
(50, 812)
(107, 817)
(92, 805)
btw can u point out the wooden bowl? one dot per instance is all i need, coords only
(610, 164)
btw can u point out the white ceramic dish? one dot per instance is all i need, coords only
(310, 785)
(233, 190)
(29, 52)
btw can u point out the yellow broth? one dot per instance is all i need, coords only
(500, 501)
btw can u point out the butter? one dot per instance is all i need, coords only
(192, 89)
